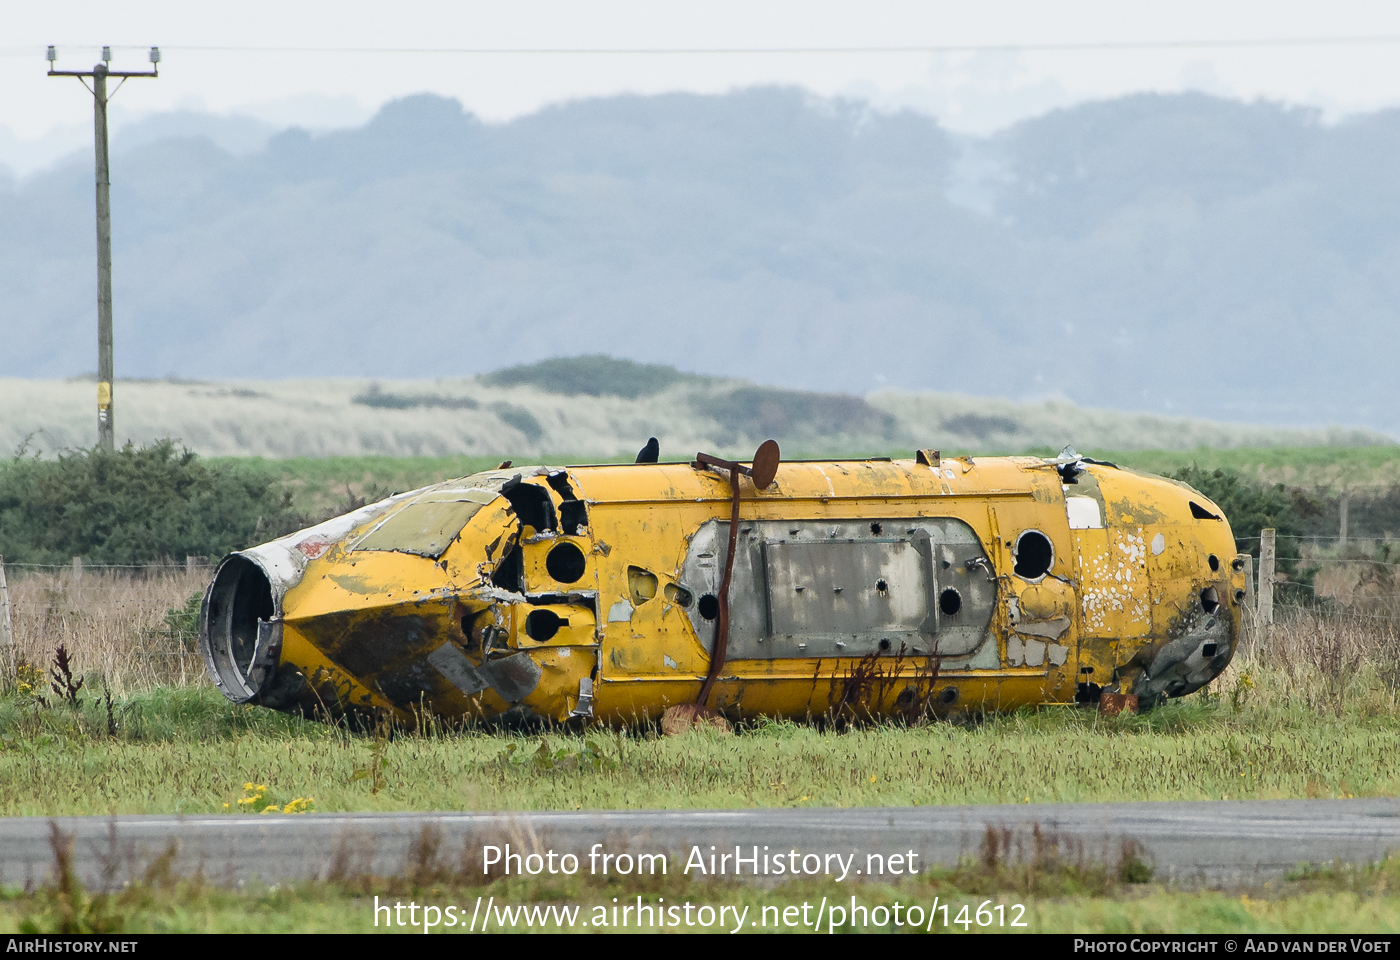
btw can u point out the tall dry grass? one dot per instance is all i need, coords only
(1326, 661)
(111, 622)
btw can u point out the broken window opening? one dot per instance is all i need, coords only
(573, 517)
(573, 512)
(678, 595)
(542, 625)
(565, 563)
(531, 504)
(1035, 554)
(641, 584)
(1201, 513)
(1208, 650)
(1214, 562)
(510, 570)
(950, 602)
(1210, 600)
(709, 606)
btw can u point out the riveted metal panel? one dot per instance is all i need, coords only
(811, 588)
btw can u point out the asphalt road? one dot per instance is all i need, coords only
(1213, 841)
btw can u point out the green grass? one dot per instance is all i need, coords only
(187, 751)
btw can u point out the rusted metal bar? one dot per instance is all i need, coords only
(721, 648)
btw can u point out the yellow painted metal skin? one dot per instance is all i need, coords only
(359, 621)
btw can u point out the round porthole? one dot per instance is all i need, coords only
(1035, 554)
(950, 602)
(542, 625)
(565, 563)
(709, 606)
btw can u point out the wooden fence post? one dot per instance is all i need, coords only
(1342, 506)
(77, 569)
(8, 661)
(1266, 577)
(1249, 584)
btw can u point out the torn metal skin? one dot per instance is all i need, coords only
(590, 592)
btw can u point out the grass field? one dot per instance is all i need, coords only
(1307, 710)
(1310, 711)
(530, 420)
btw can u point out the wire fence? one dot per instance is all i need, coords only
(125, 625)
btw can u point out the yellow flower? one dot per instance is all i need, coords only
(873, 778)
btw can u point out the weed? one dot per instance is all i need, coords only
(61, 677)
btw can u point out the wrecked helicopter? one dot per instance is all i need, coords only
(787, 589)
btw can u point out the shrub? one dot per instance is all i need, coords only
(134, 505)
(1251, 507)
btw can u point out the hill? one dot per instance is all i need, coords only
(586, 407)
(1179, 254)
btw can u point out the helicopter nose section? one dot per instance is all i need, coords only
(1190, 661)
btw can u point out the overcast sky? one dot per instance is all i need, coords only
(236, 58)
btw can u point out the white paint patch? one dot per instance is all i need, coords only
(564, 652)
(1159, 543)
(1059, 653)
(1083, 513)
(668, 661)
(620, 612)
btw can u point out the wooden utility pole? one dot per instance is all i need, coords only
(1266, 577)
(1342, 509)
(99, 74)
(8, 663)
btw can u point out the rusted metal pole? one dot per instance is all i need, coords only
(1266, 577)
(721, 648)
(8, 662)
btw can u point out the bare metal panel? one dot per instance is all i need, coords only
(813, 588)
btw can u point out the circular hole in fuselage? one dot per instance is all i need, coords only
(1214, 562)
(875, 528)
(884, 645)
(1034, 555)
(541, 625)
(948, 696)
(881, 585)
(709, 606)
(1237, 564)
(1239, 596)
(950, 602)
(1210, 600)
(565, 563)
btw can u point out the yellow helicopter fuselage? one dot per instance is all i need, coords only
(884, 587)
